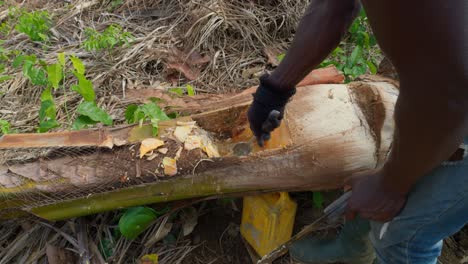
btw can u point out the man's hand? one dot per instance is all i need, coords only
(371, 200)
(267, 109)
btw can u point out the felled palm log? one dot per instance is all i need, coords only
(330, 131)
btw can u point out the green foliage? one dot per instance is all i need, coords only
(84, 87)
(5, 28)
(78, 65)
(111, 37)
(54, 74)
(180, 91)
(317, 198)
(135, 220)
(353, 56)
(280, 57)
(190, 90)
(114, 4)
(34, 24)
(5, 127)
(47, 112)
(91, 114)
(148, 112)
(82, 122)
(32, 69)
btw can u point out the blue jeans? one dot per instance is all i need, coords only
(436, 209)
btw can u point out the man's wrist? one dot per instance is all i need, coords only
(269, 82)
(270, 95)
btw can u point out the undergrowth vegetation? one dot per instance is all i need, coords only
(358, 53)
(111, 37)
(73, 65)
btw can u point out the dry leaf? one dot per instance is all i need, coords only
(162, 232)
(186, 64)
(149, 144)
(196, 58)
(186, 70)
(170, 166)
(58, 255)
(193, 142)
(163, 150)
(189, 218)
(181, 132)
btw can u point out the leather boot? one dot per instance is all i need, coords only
(351, 246)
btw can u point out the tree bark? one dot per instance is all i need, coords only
(330, 131)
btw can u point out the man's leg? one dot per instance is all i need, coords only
(436, 209)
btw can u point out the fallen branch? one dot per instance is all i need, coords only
(330, 131)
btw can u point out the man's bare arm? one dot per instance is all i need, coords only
(428, 48)
(319, 32)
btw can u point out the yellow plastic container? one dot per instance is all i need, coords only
(267, 221)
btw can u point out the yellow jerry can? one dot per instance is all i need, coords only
(267, 221)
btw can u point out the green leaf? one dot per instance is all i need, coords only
(318, 200)
(358, 70)
(78, 65)
(355, 55)
(91, 110)
(18, 61)
(47, 95)
(5, 127)
(47, 110)
(280, 57)
(61, 58)
(154, 112)
(173, 115)
(47, 125)
(36, 75)
(84, 87)
(155, 127)
(5, 78)
(190, 90)
(135, 220)
(371, 67)
(130, 113)
(106, 247)
(179, 91)
(54, 74)
(83, 121)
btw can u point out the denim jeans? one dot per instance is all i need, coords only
(436, 209)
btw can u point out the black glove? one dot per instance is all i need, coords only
(267, 110)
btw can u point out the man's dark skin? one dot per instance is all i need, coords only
(427, 42)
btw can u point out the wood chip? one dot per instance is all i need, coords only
(209, 148)
(181, 132)
(179, 151)
(170, 166)
(193, 142)
(149, 144)
(152, 157)
(163, 150)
